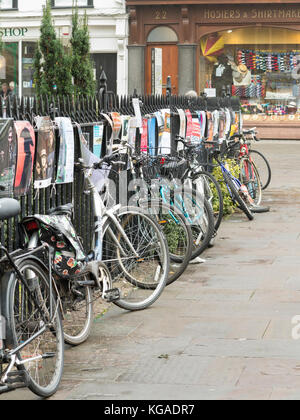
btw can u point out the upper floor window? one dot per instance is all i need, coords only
(8, 4)
(69, 3)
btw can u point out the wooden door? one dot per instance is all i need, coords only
(161, 62)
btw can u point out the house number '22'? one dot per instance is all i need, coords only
(160, 14)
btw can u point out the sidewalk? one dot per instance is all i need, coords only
(223, 331)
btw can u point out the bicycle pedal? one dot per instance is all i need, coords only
(48, 355)
(112, 295)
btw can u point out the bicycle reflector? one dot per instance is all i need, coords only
(31, 226)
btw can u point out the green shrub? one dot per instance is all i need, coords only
(229, 206)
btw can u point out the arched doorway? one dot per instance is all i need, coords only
(161, 60)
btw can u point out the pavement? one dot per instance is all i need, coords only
(223, 331)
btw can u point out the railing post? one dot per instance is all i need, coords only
(103, 91)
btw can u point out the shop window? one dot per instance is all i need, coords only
(8, 4)
(162, 34)
(28, 49)
(70, 3)
(9, 65)
(261, 66)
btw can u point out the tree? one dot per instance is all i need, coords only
(82, 67)
(52, 64)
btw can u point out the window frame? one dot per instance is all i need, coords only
(90, 4)
(14, 6)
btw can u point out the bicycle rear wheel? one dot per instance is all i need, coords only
(26, 312)
(213, 194)
(237, 197)
(263, 167)
(249, 176)
(199, 215)
(137, 259)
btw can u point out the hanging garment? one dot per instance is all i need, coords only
(182, 128)
(202, 122)
(65, 166)
(7, 157)
(25, 157)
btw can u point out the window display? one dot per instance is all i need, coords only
(264, 74)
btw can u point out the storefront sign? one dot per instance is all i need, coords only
(13, 32)
(251, 14)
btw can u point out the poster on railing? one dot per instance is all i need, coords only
(45, 155)
(25, 157)
(65, 166)
(152, 135)
(165, 135)
(98, 131)
(7, 157)
(117, 124)
(99, 176)
(144, 136)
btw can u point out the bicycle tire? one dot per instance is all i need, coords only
(146, 236)
(78, 314)
(241, 203)
(217, 204)
(263, 167)
(22, 318)
(173, 223)
(249, 176)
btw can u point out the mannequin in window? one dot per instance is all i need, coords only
(222, 75)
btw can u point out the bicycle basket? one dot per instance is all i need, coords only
(68, 256)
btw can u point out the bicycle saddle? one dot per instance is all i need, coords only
(65, 209)
(9, 208)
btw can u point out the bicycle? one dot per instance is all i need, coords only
(32, 348)
(128, 264)
(164, 180)
(238, 192)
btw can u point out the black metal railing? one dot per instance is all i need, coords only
(87, 111)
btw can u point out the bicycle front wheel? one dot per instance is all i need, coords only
(177, 233)
(27, 311)
(136, 254)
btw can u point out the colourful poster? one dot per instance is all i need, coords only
(45, 158)
(144, 136)
(98, 139)
(25, 157)
(7, 157)
(65, 167)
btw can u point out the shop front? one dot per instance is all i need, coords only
(251, 51)
(20, 32)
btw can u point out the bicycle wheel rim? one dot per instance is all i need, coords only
(142, 278)
(43, 375)
(213, 195)
(250, 178)
(263, 168)
(78, 311)
(178, 235)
